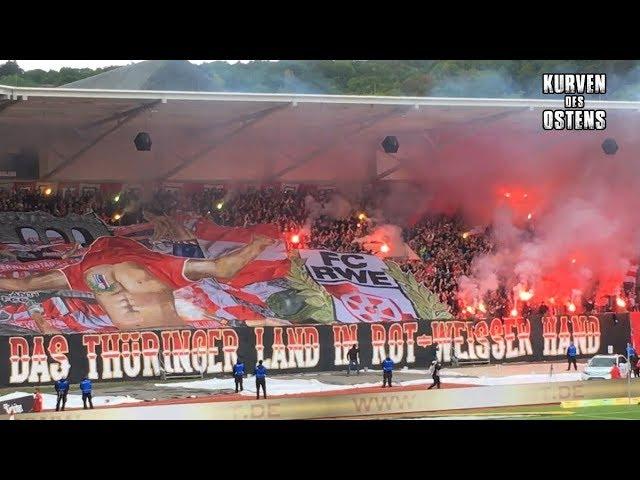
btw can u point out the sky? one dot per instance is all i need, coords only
(58, 64)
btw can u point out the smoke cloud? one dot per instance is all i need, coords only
(565, 216)
(336, 207)
(389, 235)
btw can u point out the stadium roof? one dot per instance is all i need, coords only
(150, 75)
(83, 135)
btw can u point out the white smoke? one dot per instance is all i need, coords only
(389, 235)
(336, 207)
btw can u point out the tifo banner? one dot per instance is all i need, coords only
(362, 288)
(192, 273)
(42, 359)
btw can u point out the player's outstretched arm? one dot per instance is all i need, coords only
(52, 280)
(228, 266)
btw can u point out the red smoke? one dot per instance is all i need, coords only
(584, 204)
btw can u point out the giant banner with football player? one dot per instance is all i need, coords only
(193, 273)
(186, 295)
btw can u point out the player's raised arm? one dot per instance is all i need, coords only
(52, 280)
(228, 266)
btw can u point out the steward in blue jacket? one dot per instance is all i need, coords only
(572, 351)
(631, 352)
(62, 389)
(633, 360)
(238, 374)
(387, 371)
(85, 388)
(261, 380)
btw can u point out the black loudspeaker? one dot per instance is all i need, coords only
(610, 146)
(143, 142)
(390, 144)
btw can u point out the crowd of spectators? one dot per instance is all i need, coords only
(444, 245)
(29, 201)
(446, 248)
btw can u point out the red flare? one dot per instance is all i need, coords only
(525, 296)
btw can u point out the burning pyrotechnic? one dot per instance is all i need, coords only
(529, 216)
(465, 234)
(620, 302)
(219, 205)
(295, 238)
(48, 191)
(525, 296)
(482, 308)
(117, 216)
(571, 307)
(514, 312)
(362, 216)
(384, 248)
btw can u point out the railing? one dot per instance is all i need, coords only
(456, 362)
(164, 376)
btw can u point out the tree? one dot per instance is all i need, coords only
(417, 85)
(11, 67)
(469, 78)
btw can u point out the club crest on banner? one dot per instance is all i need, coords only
(370, 308)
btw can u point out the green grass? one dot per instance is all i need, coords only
(607, 412)
(532, 412)
(555, 412)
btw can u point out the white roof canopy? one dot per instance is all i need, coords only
(87, 135)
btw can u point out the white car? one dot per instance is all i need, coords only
(600, 367)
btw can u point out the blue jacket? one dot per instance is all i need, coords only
(85, 386)
(261, 371)
(238, 369)
(387, 365)
(631, 352)
(62, 386)
(571, 351)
